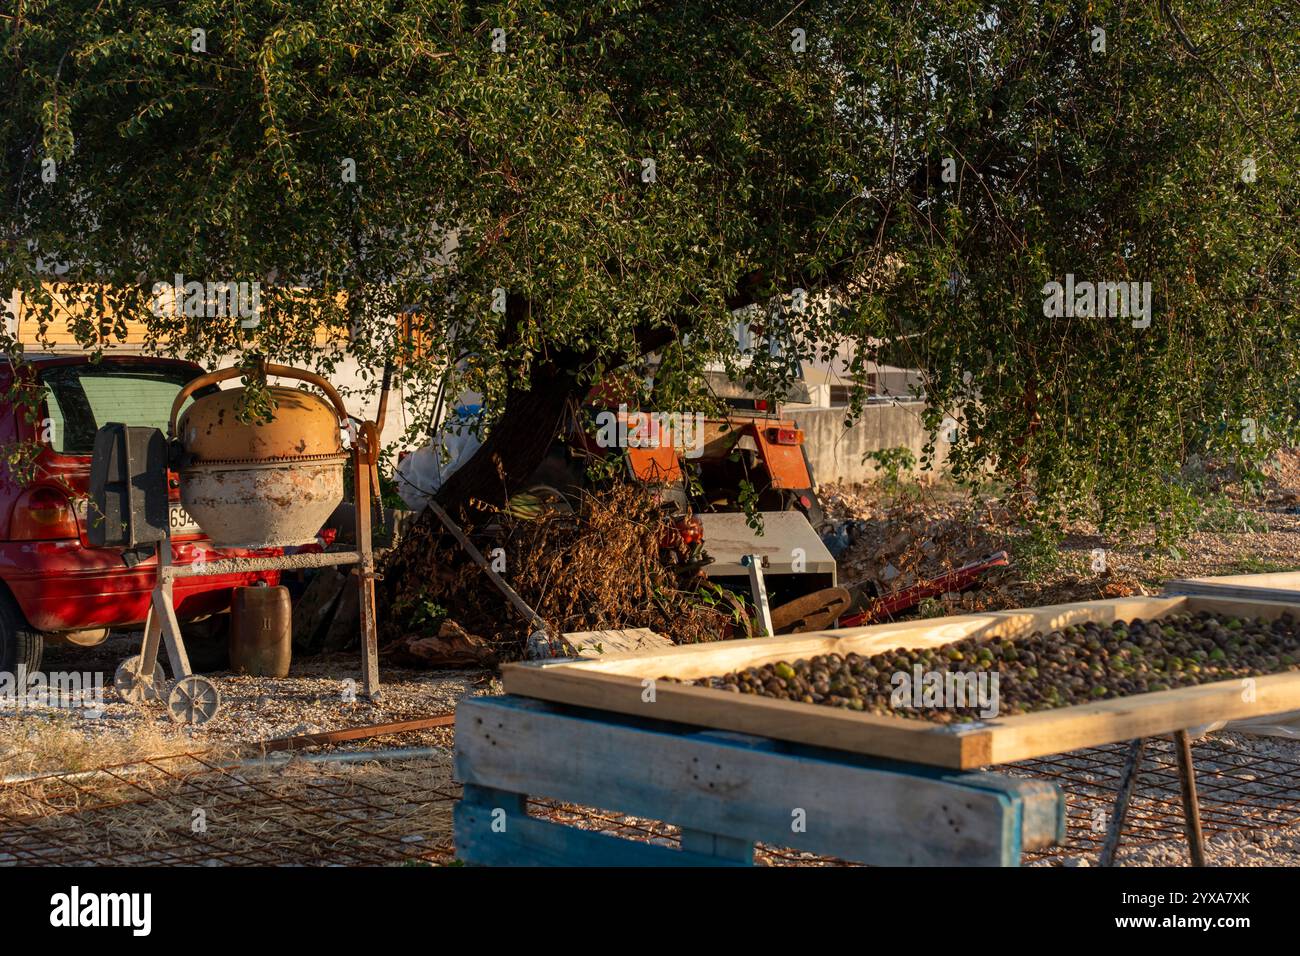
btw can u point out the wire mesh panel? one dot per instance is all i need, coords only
(1244, 785)
(187, 809)
(191, 809)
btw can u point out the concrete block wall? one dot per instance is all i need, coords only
(837, 452)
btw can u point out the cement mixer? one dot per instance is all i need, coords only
(251, 484)
(260, 485)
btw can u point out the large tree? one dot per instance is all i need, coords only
(561, 189)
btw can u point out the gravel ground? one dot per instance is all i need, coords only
(322, 693)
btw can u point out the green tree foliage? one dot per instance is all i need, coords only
(630, 172)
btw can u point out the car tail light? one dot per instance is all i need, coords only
(43, 514)
(785, 436)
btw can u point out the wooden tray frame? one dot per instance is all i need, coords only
(628, 683)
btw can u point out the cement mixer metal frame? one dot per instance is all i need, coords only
(195, 699)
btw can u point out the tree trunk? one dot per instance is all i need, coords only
(516, 443)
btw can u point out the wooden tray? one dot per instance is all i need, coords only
(627, 683)
(1276, 586)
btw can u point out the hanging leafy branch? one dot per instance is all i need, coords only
(551, 191)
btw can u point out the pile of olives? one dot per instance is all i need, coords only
(1074, 665)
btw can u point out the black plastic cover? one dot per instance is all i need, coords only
(128, 487)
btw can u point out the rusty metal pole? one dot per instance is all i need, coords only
(1127, 784)
(152, 622)
(506, 590)
(1191, 805)
(362, 454)
(381, 416)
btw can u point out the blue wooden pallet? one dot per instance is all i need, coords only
(726, 792)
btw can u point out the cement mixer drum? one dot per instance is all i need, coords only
(261, 485)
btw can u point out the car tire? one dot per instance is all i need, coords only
(20, 646)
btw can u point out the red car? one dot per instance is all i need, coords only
(53, 585)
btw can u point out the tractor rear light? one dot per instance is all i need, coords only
(43, 514)
(785, 436)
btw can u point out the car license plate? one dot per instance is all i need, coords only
(180, 522)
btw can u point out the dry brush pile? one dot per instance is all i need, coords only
(597, 567)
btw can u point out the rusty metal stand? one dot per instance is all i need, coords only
(193, 699)
(365, 458)
(1128, 785)
(191, 704)
(1191, 805)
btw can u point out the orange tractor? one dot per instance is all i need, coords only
(751, 455)
(714, 471)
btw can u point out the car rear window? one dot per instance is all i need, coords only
(82, 398)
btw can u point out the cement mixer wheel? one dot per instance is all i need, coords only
(194, 700)
(133, 687)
